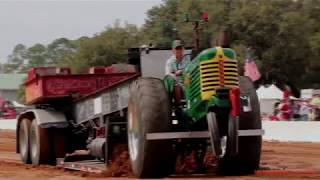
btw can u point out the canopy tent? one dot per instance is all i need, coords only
(271, 92)
(309, 93)
(16, 104)
(268, 96)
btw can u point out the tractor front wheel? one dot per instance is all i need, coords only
(247, 160)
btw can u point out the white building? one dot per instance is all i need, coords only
(9, 85)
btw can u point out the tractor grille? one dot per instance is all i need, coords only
(195, 84)
(221, 73)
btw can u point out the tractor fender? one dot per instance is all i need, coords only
(44, 119)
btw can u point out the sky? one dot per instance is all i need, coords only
(29, 22)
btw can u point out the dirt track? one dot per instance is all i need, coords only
(287, 161)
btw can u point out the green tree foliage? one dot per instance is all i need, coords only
(37, 56)
(58, 53)
(284, 35)
(15, 62)
(106, 48)
(61, 51)
(160, 25)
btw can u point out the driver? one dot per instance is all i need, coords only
(177, 62)
(174, 68)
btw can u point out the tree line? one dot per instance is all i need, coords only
(283, 35)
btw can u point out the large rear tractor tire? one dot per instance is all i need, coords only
(249, 147)
(24, 143)
(149, 112)
(39, 144)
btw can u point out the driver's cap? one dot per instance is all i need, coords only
(177, 43)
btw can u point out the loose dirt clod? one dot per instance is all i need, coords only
(120, 165)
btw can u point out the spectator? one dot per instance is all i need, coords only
(304, 111)
(294, 107)
(274, 116)
(315, 103)
(284, 110)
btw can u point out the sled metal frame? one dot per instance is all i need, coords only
(198, 134)
(91, 166)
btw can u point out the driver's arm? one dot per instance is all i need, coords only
(179, 72)
(169, 70)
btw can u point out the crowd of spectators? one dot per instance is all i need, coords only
(292, 109)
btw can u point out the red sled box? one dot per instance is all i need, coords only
(47, 84)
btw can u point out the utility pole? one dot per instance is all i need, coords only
(225, 30)
(195, 34)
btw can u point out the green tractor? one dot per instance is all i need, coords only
(219, 112)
